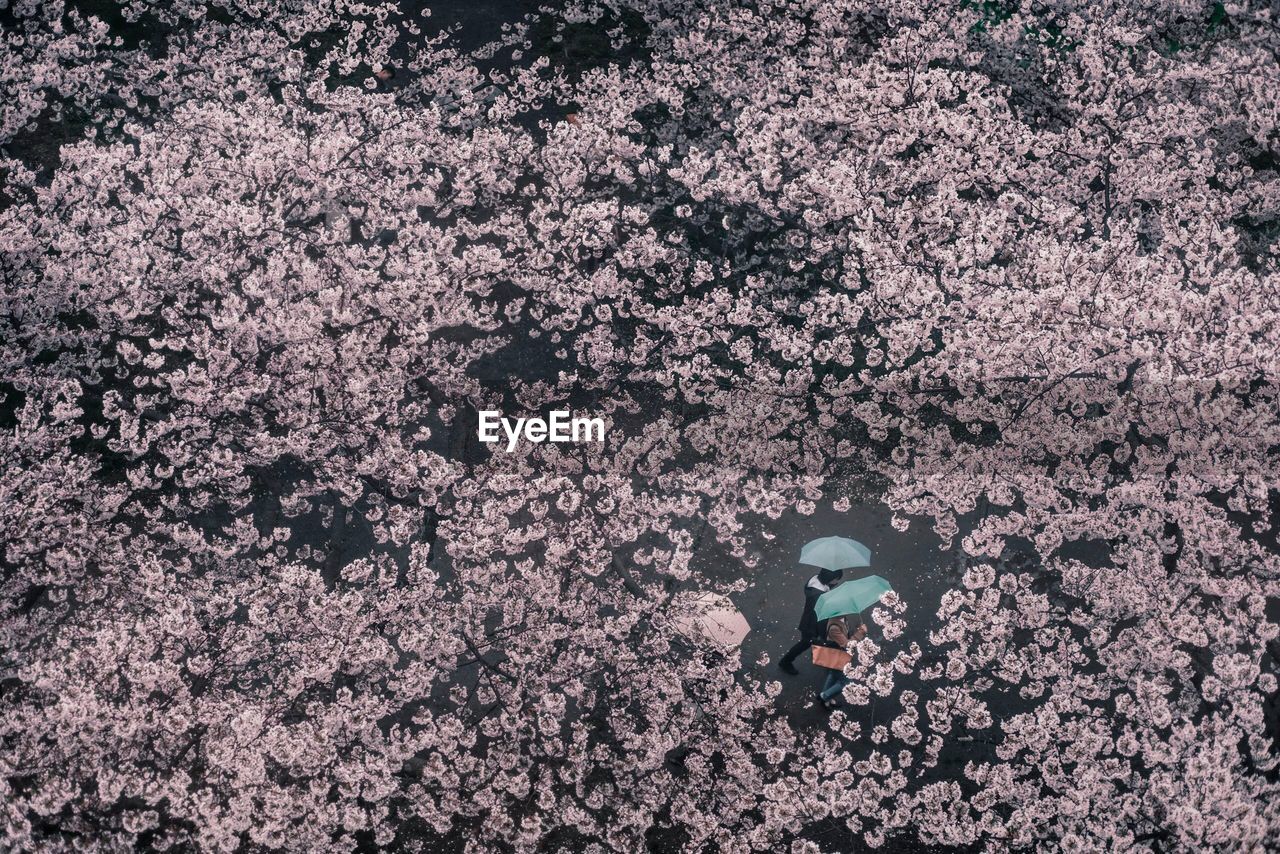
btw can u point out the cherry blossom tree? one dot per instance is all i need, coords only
(1044, 292)
(264, 591)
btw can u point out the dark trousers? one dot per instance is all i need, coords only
(801, 647)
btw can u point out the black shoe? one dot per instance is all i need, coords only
(788, 667)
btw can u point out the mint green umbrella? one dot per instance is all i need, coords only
(835, 553)
(852, 597)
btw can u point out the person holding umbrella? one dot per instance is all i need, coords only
(811, 631)
(836, 608)
(831, 555)
(840, 632)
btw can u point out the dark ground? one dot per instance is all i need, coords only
(912, 561)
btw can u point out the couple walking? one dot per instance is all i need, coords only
(835, 632)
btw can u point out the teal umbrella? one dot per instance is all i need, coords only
(852, 597)
(835, 553)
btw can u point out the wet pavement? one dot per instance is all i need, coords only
(912, 561)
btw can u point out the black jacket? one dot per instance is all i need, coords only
(810, 625)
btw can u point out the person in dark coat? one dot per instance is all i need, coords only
(812, 630)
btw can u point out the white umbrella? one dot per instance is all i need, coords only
(709, 616)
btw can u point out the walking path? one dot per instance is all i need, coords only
(912, 561)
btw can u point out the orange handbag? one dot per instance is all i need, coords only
(830, 657)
